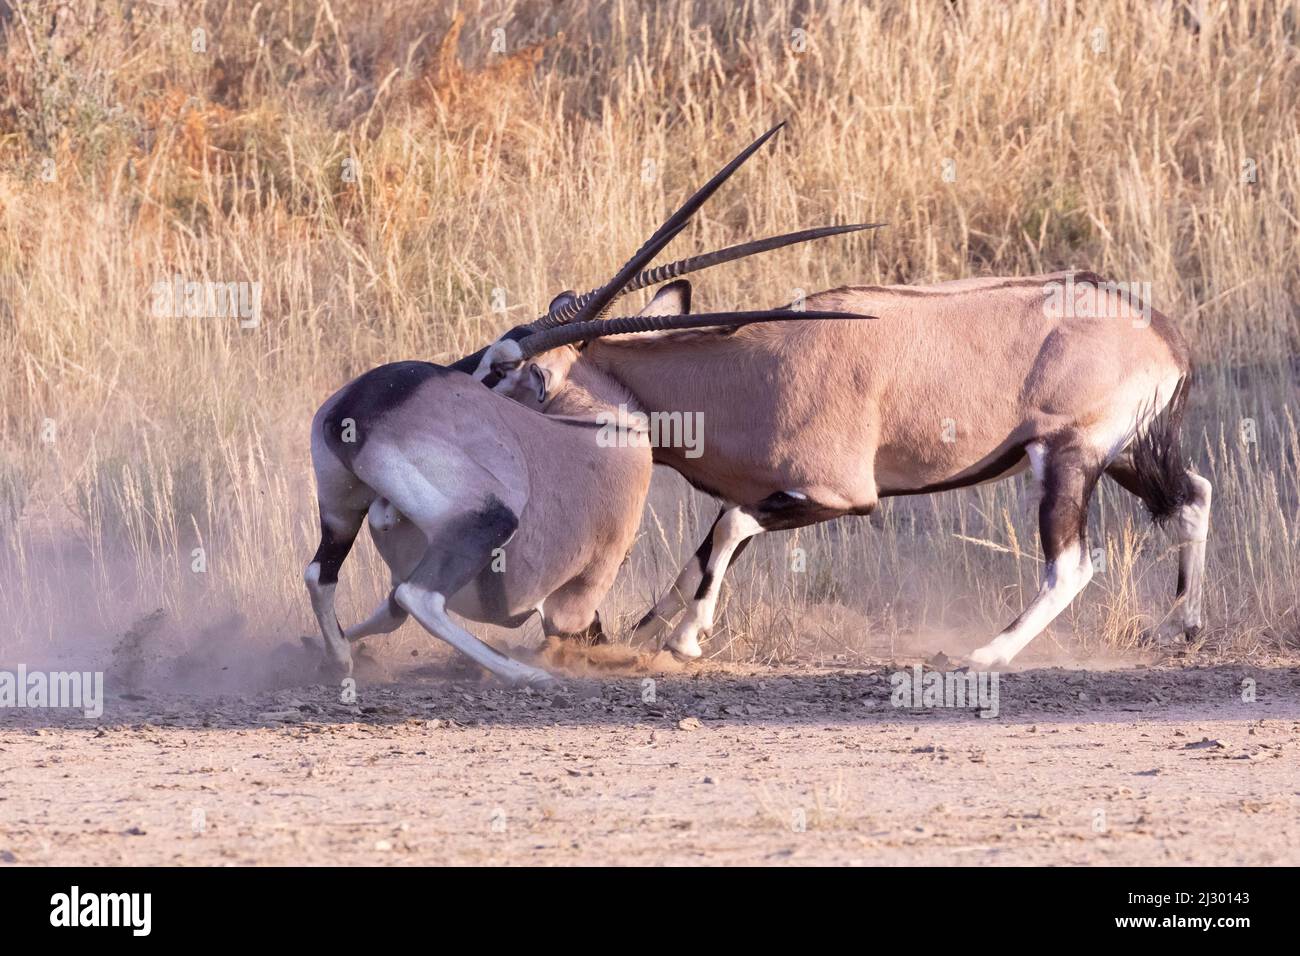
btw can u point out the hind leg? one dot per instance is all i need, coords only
(1191, 527)
(338, 530)
(1193, 532)
(460, 547)
(1067, 473)
(385, 619)
(401, 545)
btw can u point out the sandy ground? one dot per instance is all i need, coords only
(787, 764)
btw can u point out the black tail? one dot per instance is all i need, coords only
(1159, 466)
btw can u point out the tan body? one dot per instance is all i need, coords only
(850, 412)
(952, 385)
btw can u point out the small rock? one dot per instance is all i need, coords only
(939, 662)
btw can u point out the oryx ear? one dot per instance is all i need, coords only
(541, 379)
(671, 299)
(560, 301)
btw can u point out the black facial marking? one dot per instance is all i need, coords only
(369, 398)
(470, 363)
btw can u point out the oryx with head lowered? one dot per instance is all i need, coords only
(484, 507)
(956, 384)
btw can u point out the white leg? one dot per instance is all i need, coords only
(322, 603)
(1065, 577)
(660, 617)
(430, 609)
(1193, 530)
(731, 529)
(388, 617)
(1067, 472)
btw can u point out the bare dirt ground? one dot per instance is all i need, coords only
(785, 764)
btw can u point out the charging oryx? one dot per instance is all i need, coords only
(482, 506)
(956, 384)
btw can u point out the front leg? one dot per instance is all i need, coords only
(660, 617)
(731, 533)
(728, 536)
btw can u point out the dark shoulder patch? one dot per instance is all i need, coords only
(368, 399)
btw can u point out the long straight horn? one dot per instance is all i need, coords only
(681, 267)
(674, 224)
(574, 332)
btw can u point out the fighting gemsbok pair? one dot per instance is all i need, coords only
(498, 502)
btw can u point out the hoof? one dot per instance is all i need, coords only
(987, 656)
(537, 679)
(685, 642)
(329, 669)
(1172, 634)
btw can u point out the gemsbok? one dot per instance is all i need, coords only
(955, 384)
(482, 506)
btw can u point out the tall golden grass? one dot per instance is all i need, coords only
(406, 179)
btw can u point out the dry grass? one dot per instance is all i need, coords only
(1146, 141)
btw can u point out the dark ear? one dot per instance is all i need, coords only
(561, 300)
(541, 378)
(671, 299)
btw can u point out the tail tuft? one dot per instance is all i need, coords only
(1160, 468)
